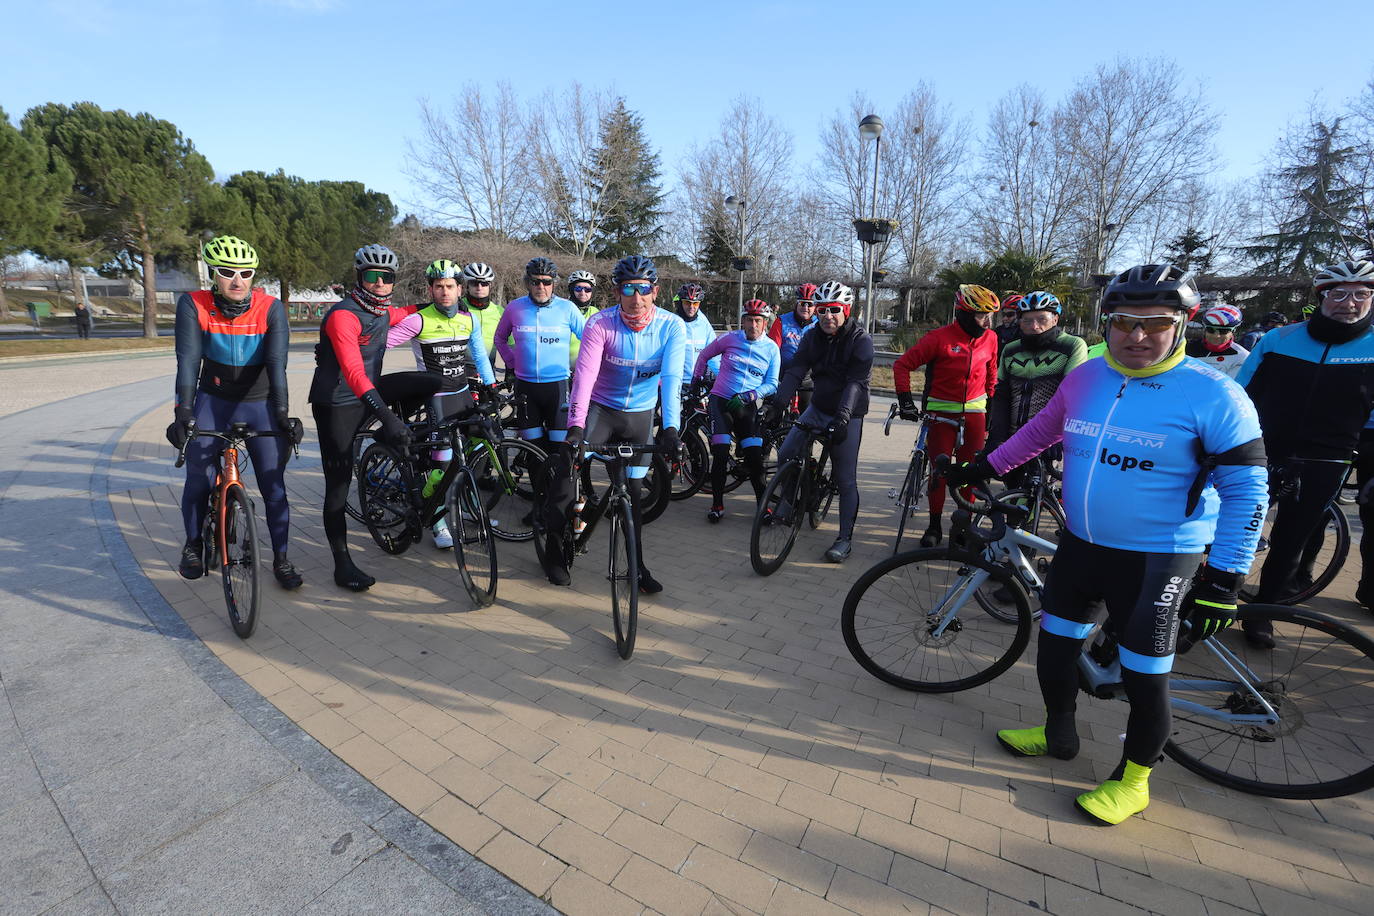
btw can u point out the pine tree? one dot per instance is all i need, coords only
(716, 245)
(1191, 250)
(33, 188)
(628, 172)
(1320, 202)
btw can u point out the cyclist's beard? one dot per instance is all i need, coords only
(1330, 331)
(537, 302)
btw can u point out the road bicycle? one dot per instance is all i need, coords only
(399, 501)
(613, 503)
(230, 531)
(802, 487)
(917, 477)
(694, 474)
(1296, 721)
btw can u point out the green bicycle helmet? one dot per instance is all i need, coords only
(230, 251)
(443, 269)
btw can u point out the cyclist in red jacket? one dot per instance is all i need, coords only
(962, 357)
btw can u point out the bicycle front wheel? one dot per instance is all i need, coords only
(239, 569)
(1295, 721)
(912, 621)
(909, 497)
(385, 486)
(505, 474)
(623, 571)
(474, 546)
(777, 520)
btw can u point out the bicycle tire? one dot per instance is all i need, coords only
(777, 519)
(1318, 678)
(505, 470)
(622, 569)
(923, 596)
(210, 548)
(695, 467)
(656, 488)
(1335, 529)
(822, 492)
(474, 545)
(386, 484)
(909, 497)
(239, 569)
(1046, 520)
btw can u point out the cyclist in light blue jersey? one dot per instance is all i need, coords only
(699, 329)
(542, 326)
(631, 362)
(750, 363)
(1162, 457)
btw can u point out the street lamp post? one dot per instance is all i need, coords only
(871, 128)
(739, 262)
(1098, 277)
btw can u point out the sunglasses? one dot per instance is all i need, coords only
(636, 289)
(230, 273)
(829, 310)
(1150, 324)
(479, 283)
(1217, 331)
(1340, 295)
(539, 281)
(379, 276)
(582, 289)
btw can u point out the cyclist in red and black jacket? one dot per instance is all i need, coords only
(231, 367)
(348, 362)
(962, 357)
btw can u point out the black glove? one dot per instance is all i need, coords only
(394, 431)
(970, 473)
(180, 429)
(839, 429)
(670, 442)
(292, 426)
(906, 406)
(576, 436)
(772, 413)
(1210, 606)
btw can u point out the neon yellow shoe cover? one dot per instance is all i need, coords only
(1024, 742)
(432, 481)
(1117, 799)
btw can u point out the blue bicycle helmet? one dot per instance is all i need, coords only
(634, 267)
(1040, 301)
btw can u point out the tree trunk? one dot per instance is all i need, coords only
(149, 282)
(286, 295)
(4, 302)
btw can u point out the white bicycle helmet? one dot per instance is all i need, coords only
(581, 276)
(833, 291)
(374, 257)
(479, 271)
(1344, 272)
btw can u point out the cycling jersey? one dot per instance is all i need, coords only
(444, 344)
(1029, 373)
(963, 370)
(1227, 360)
(488, 316)
(348, 358)
(1313, 397)
(628, 370)
(1133, 445)
(699, 334)
(787, 333)
(746, 365)
(542, 335)
(240, 358)
(840, 365)
(575, 346)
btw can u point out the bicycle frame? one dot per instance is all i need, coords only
(615, 466)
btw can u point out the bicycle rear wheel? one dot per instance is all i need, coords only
(695, 468)
(504, 472)
(239, 570)
(474, 546)
(777, 520)
(385, 485)
(1318, 680)
(623, 571)
(822, 491)
(909, 496)
(911, 621)
(1322, 558)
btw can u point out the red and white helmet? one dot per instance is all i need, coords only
(757, 308)
(833, 292)
(1222, 316)
(806, 292)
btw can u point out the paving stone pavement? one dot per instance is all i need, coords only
(740, 761)
(138, 773)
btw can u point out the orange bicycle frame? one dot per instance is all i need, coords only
(228, 476)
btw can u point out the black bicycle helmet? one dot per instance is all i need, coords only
(634, 267)
(541, 267)
(1153, 284)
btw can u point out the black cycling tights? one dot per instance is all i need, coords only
(1147, 728)
(336, 426)
(720, 460)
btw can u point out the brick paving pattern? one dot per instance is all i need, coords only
(741, 761)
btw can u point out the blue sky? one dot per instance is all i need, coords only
(328, 88)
